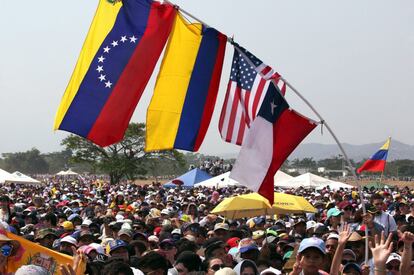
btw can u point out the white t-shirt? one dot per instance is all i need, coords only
(387, 221)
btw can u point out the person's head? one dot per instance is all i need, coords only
(300, 226)
(378, 202)
(214, 264)
(393, 264)
(334, 216)
(312, 253)
(153, 264)
(331, 244)
(50, 220)
(351, 269)
(118, 249)
(67, 245)
(348, 256)
(248, 249)
(347, 209)
(357, 245)
(186, 262)
(246, 267)
(4, 202)
(32, 270)
(118, 268)
(221, 231)
(85, 238)
(8, 248)
(46, 237)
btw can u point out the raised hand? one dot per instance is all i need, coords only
(381, 249)
(344, 234)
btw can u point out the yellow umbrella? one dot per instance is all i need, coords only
(251, 205)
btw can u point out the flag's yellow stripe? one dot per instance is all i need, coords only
(102, 24)
(386, 145)
(164, 111)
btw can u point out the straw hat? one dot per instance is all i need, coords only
(15, 244)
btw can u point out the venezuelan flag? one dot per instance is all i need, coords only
(376, 163)
(186, 89)
(121, 49)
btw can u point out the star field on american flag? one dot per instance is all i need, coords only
(242, 72)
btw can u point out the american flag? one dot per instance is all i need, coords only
(245, 92)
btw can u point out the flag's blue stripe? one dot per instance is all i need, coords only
(92, 94)
(197, 91)
(380, 155)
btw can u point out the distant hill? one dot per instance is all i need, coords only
(319, 151)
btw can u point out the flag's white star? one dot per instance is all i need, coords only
(102, 77)
(106, 49)
(101, 59)
(108, 84)
(133, 39)
(99, 69)
(114, 43)
(123, 38)
(273, 106)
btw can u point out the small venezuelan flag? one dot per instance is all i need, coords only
(121, 49)
(186, 89)
(376, 163)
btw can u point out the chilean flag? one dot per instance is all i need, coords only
(274, 134)
(376, 163)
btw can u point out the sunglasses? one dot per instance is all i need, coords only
(217, 267)
(6, 250)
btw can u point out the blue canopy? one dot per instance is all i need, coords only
(189, 179)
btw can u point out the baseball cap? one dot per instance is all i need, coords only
(124, 231)
(69, 239)
(334, 212)
(354, 266)
(258, 234)
(247, 244)
(233, 242)
(344, 204)
(223, 226)
(312, 242)
(271, 270)
(333, 236)
(310, 225)
(67, 225)
(113, 245)
(176, 231)
(41, 234)
(392, 257)
(350, 253)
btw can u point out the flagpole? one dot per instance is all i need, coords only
(316, 113)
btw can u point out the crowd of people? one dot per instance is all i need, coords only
(131, 229)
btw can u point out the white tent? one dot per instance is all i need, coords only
(219, 181)
(24, 178)
(5, 176)
(67, 173)
(310, 180)
(224, 180)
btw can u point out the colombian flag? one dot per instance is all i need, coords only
(186, 89)
(376, 163)
(121, 49)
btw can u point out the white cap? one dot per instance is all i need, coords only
(69, 239)
(392, 257)
(87, 222)
(333, 236)
(271, 270)
(310, 224)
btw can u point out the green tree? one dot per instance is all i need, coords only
(29, 162)
(126, 159)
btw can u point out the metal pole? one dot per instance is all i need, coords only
(319, 116)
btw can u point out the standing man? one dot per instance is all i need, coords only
(381, 217)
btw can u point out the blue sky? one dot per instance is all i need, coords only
(353, 60)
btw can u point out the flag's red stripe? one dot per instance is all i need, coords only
(242, 128)
(224, 108)
(246, 108)
(232, 120)
(283, 90)
(257, 96)
(372, 166)
(114, 118)
(212, 92)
